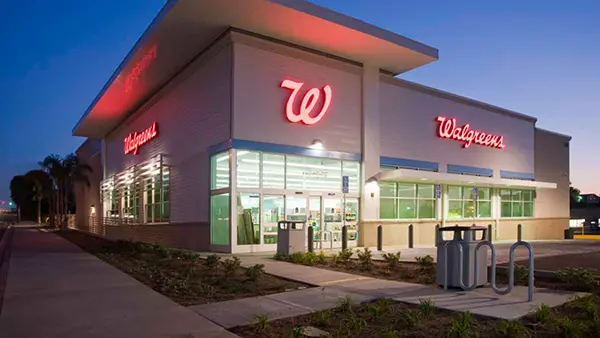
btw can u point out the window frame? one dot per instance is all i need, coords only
(416, 199)
(522, 202)
(474, 200)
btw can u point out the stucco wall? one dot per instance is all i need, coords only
(193, 112)
(259, 102)
(552, 165)
(408, 119)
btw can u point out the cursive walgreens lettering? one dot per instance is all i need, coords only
(135, 140)
(447, 128)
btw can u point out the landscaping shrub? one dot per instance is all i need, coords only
(344, 255)
(392, 259)
(521, 274)
(460, 326)
(513, 329)
(261, 323)
(231, 265)
(579, 278)
(355, 324)
(346, 304)
(426, 307)
(212, 262)
(425, 261)
(569, 328)
(321, 259)
(161, 251)
(280, 257)
(322, 317)
(411, 318)
(254, 272)
(187, 256)
(543, 314)
(365, 259)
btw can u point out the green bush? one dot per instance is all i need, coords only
(212, 262)
(426, 307)
(570, 328)
(187, 256)
(261, 323)
(255, 272)
(425, 261)
(321, 259)
(521, 274)
(321, 317)
(543, 314)
(280, 257)
(513, 329)
(579, 278)
(365, 259)
(411, 318)
(231, 265)
(460, 326)
(392, 259)
(344, 255)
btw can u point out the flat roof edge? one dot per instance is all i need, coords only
(359, 25)
(157, 20)
(555, 133)
(455, 97)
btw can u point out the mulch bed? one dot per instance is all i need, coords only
(180, 275)
(388, 318)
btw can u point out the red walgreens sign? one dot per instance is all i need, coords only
(306, 113)
(135, 140)
(447, 128)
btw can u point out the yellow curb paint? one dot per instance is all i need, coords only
(586, 236)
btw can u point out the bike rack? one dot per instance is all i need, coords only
(511, 265)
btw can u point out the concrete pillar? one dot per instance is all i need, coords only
(370, 142)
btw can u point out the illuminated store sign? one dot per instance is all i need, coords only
(308, 103)
(447, 128)
(135, 140)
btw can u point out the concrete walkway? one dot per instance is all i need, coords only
(336, 286)
(55, 289)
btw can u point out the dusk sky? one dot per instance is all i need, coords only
(539, 58)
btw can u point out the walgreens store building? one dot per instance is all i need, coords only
(228, 116)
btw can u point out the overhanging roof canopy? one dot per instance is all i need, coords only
(184, 28)
(446, 178)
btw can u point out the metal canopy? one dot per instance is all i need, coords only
(184, 28)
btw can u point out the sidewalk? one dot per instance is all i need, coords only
(55, 289)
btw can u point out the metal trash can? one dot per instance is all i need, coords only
(465, 236)
(291, 237)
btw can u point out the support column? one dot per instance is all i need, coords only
(370, 143)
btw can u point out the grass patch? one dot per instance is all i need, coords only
(182, 275)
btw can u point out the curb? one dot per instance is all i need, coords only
(5, 251)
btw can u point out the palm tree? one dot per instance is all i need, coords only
(52, 165)
(41, 186)
(65, 173)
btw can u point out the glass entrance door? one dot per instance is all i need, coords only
(273, 212)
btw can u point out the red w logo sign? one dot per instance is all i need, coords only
(308, 103)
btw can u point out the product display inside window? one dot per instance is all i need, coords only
(138, 195)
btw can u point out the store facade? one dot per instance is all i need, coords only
(208, 146)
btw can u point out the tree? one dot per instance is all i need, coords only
(41, 185)
(20, 193)
(574, 196)
(65, 173)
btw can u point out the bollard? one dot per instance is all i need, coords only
(490, 236)
(411, 242)
(311, 239)
(380, 238)
(519, 233)
(473, 234)
(344, 237)
(438, 238)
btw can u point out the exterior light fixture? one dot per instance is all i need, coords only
(371, 186)
(317, 144)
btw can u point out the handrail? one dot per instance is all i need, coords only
(511, 266)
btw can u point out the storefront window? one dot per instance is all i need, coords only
(469, 202)
(516, 203)
(273, 171)
(352, 170)
(248, 219)
(220, 170)
(248, 169)
(314, 174)
(219, 219)
(407, 201)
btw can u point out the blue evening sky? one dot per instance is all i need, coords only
(536, 57)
